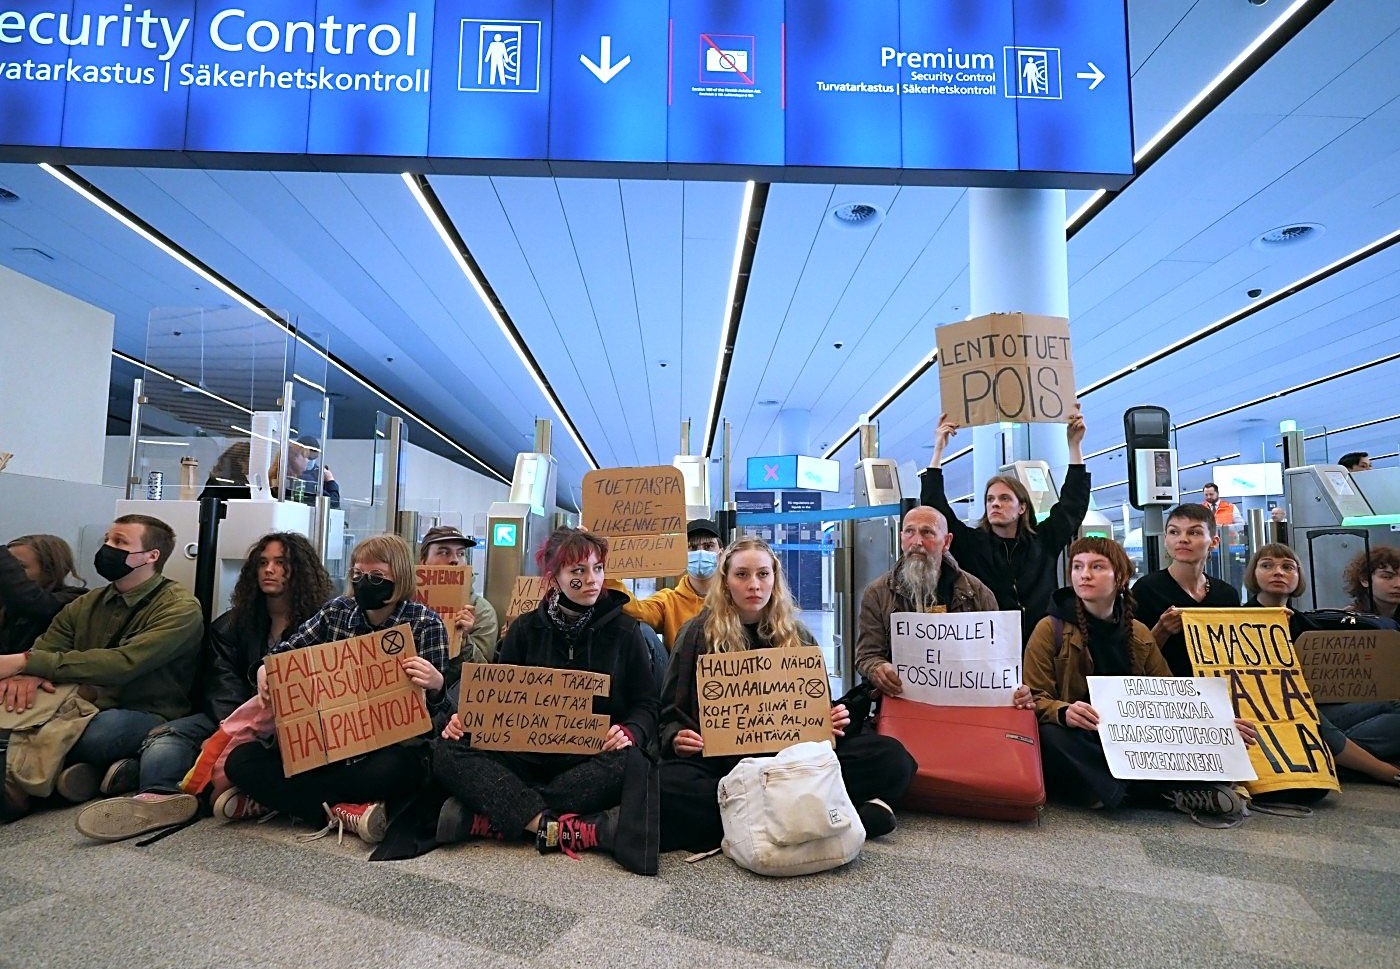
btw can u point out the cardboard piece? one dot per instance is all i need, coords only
(641, 511)
(1356, 666)
(1168, 728)
(532, 708)
(343, 699)
(447, 590)
(957, 659)
(525, 595)
(762, 700)
(1251, 650)
(1006, 367)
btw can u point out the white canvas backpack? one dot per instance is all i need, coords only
(789, 814)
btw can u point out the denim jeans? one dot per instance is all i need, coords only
(1375, 727)
(112, 735)
(171, 750)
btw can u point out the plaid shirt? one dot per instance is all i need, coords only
(342, 618)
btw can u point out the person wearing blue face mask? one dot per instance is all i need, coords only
(670, 609)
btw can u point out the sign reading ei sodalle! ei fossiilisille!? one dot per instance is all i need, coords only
(958, 659)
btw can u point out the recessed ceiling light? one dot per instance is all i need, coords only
(1289, 235)
(857, 215)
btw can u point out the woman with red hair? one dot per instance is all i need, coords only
(567, 802)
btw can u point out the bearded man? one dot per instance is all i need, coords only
(925, 579)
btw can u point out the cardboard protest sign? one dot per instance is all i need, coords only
(1006, 367)
(525, 595)
(532, 708)
(1250, 649)
(1163, 728)
(447, 590)
(762, 700)
(1356, 666)
(343, 699)
(642, 513)
(959, 659)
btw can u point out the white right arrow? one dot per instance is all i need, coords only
(606, 70)
(1093, 74)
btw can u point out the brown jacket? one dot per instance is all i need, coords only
(962, 593)
(1056, 676)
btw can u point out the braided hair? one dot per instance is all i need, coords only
(1123, 570)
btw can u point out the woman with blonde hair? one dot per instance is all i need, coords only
(352, 793)
(750, 607)
(34, 572)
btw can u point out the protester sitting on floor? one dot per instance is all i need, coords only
(132, 645)
(924, 579)
(562, 802)
(1008, 550)
(34, 571)
(1091, 632)
(1364, 737)
(281, 585)
(670, 609)
(1161, 595)
(353, 792)
(477, 627)
(751, 607)
(1374, 583)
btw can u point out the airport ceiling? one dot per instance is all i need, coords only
(619, 288)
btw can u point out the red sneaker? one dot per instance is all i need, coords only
(234, 805)
(368, 821)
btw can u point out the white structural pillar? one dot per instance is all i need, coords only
(794, 432)
(1018, 264)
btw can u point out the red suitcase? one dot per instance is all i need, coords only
(974, 762)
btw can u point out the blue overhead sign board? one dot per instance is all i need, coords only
(998, 91)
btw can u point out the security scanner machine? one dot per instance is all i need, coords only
(247, 521)
(1335, 514)
(695, 470)
(1153, 486)
(517, 528)
(867, 547)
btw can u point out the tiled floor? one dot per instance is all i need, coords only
(1138, 888)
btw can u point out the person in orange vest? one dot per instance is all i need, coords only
(1225, 513)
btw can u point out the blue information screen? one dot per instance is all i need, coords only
(1029, 91)
(774, 473)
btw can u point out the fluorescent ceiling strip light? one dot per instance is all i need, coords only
(178, 380)
(1096, 201)
(67, 179)
(1255, 306)
(142, 440)
(731, 321)
(900, 386)
(1291, 390)
(309, 383)
(260, 437)
(454, 248)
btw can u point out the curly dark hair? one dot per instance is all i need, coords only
(1356, 578)
(309, 586)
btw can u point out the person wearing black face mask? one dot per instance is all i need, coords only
(135, 640)
(353, 792)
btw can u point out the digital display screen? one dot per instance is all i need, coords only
(887, 86)
(881, 476)
(775, 473)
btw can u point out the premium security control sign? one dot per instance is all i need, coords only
(912, 90)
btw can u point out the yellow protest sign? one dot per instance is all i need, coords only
(642, 513)
(343, 699)
(1006, 367)
(1251, 648)
(447, 590)
(532, 708)
(761, 700)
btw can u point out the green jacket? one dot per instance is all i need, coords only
(152, 668)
